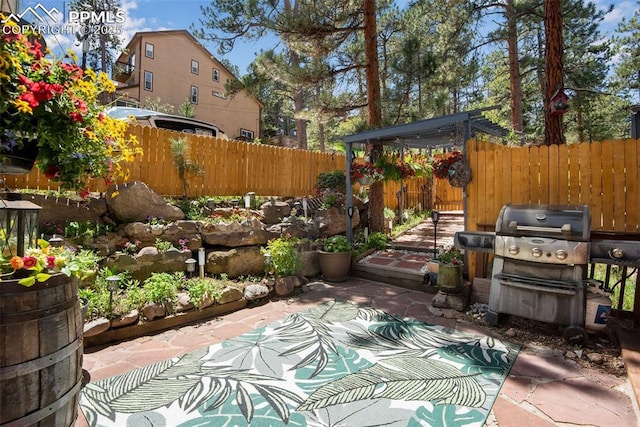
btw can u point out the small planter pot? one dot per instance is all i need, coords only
(450, 278)
(335, 266)
(365, 180)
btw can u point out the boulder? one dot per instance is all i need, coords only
(244, 261)
(96, 327)
(274, 211)
(333, 221)
(234, 234)
(257, 291)
(230, 294)
(125, 320)
(137, 202)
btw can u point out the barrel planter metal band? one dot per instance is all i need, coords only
(40, 353)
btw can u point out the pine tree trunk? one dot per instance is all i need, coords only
(376, 191)
(553, 133)
(517, 121)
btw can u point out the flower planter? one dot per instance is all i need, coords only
(335, 266)
(366, 180)
(450, 278)
(41, 352)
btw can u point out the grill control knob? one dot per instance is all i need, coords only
(514, 250)
(561, 254)
(536, 252)
(617, 253)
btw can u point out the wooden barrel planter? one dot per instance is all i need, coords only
(40, 353)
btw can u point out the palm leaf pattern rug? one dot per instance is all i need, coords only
(336, 364)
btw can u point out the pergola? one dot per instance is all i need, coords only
(429, 133)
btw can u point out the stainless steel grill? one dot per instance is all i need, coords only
(540, 267)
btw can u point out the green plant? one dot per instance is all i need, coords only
(283, 256)
(161, 288)
(389, 213)
(183, 164)
(162, 245)
(202, 289)
(378, 241)
(337, 243)
(77, 229)
(55, 104)
(451, 256)
(334, 180)
(331, 198)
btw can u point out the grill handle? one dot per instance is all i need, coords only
(513, 227)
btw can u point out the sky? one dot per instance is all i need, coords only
(154, 15)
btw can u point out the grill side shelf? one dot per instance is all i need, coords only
(478, 241)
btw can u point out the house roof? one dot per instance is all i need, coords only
(437, 131)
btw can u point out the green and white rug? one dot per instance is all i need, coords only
(337, 364)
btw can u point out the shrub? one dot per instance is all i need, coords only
(335, 180)
(161, 288)
(202, 289)
(284, 260)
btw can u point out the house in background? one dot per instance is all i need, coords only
(173, 66)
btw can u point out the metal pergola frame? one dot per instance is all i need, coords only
(429, 133)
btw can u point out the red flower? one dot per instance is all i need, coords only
(29, 261)
(83, 193)
(76, 117)
(52, 172)
(51, 261)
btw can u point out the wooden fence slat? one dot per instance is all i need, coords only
(619, 211)
(632, 181)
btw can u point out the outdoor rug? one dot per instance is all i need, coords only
(336, 364)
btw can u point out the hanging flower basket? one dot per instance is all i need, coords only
(459, 174)
(453, 168)
(365, 173)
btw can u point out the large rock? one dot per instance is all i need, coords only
(149, 260)
(137, 202)
(274, 212)
(236, 262)
(333, 221)
(249, 232)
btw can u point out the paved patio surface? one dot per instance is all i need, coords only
(543, 388)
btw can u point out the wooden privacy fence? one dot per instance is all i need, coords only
(603, 175)
(229, 168)
(232, 168)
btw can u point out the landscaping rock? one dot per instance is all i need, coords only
(247, 233)
(230, 294)
(206, 302)
(333, 221)
(273, 212)
(137, 202)
(243, 261)
(148, 260)
(295, 227)
(153, 311)
(184, 303)
(126, 320)
(253, 292)
(286, 285)
(96, 327)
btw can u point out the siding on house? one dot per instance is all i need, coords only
(173, 66)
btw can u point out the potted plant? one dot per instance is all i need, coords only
(50, 114)
(450, 271)
(335, 258)
(365, 173)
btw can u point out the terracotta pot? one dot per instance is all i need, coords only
(335, 266)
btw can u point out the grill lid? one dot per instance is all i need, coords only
(556, 221)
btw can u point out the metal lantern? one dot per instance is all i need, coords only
(18, 226)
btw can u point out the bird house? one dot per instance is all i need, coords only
(559, 103)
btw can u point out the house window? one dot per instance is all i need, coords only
(216, 75)
(195, 67)
(148, 50)
(246, 134)
(194, 94)
(148, 80)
